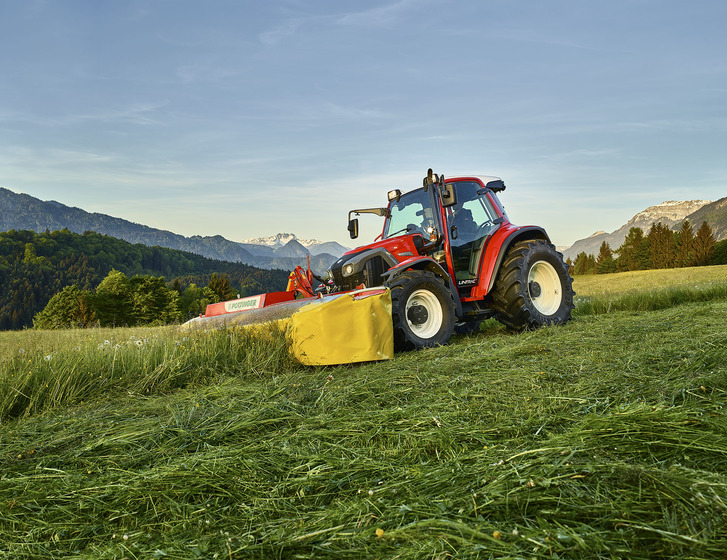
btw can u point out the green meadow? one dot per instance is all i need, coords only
(603, 438)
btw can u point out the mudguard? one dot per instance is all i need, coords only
(428, 263)
(520, 233)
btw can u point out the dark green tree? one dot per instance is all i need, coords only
(221, 286)
(584, 264)
(152, 302)
(703, 246)
(661, 246)
(194, 301)
(69, 308)
(684, 245)
(113, 301)
(720, 252)
(605, 262)
(633, 253)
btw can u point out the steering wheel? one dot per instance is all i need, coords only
(413, 228)
(408, 229)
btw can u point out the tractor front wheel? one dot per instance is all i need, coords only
(533, 287)
(422, 310)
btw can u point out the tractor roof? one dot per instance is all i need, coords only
(494, 183)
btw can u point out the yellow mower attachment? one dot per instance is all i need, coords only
(335, 329)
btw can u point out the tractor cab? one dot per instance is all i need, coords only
(455, 228)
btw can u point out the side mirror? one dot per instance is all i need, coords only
(353, 228)
(448, 194)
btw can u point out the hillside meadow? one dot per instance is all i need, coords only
(603, 438)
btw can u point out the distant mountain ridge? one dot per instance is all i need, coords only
(270, 244)
(24, 212)
(671, 213)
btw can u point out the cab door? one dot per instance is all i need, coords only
(471, 222)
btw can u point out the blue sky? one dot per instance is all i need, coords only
(248, 118)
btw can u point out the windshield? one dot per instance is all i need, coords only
(413, 213)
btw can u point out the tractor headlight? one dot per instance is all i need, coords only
(348, 270)
(394, 195)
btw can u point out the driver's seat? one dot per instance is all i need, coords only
(465, 224)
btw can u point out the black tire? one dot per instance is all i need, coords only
(422, 310)
(533, 287)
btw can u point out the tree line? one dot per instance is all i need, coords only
(661, 247)
(122, 301)
(36, 266)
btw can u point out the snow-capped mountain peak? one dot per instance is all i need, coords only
(287, 242)
(280, 240)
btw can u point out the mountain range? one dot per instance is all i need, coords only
(283, 251)
(670, 213)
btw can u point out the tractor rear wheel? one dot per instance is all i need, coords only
(422, 310)
(533, 286)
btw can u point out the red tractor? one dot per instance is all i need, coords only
(451, 259)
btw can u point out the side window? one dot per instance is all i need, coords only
(472, 212)
(481, 210)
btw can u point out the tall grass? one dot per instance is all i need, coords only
(648, 301)
(36, 378)
(649, 280)
(648, 290)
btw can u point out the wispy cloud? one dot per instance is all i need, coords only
(384, 16)
(205, 73)
(381, 16)
(281, 32)
(137, 113)
(30, 158)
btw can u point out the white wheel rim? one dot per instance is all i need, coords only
(550, 295)
(435, 317)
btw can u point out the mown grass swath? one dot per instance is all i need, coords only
(603, 438)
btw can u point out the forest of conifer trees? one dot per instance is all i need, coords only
(660, 248)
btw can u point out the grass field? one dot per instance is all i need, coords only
(603, 438)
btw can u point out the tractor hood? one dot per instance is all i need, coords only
(365, 265)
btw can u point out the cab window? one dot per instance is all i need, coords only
(411, 214)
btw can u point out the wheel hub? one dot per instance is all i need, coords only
(545, 288)
(535, 290)
(417, 314)
(424, 314)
